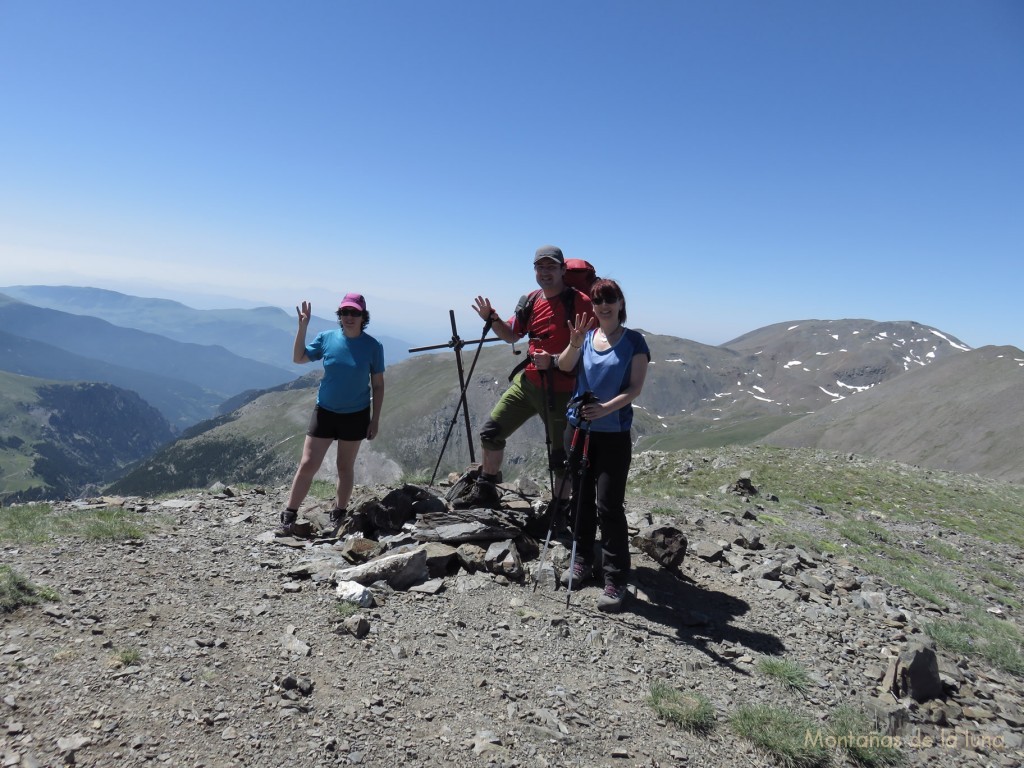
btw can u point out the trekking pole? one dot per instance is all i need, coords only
(552, 515)
(457, 344)
(549, 388)
(584, 462)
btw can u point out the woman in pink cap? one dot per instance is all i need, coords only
(348, 402)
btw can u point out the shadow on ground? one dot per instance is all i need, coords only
(696, 616)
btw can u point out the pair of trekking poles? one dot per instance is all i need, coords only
(583, 428)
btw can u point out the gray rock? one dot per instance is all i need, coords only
(357, 625)
(400, 570)
(292, 644)
(503, 558)
(472, 557)
(708, 550)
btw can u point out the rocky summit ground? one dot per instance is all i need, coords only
(208, 642)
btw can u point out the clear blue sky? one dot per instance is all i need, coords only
(733, 164)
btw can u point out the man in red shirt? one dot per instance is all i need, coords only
(541, 389)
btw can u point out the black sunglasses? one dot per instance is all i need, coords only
(599, 300)
(350, 312)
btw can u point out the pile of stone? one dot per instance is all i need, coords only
(413, 538)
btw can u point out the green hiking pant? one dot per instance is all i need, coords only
(517, 405)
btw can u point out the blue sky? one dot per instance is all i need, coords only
(733, 164)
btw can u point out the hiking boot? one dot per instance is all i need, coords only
(579, 573)
(337, 520)
(484, 494)
(287, 526)
(612, 598)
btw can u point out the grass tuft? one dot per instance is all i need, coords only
(105, 525)
(35, 524)
(793, 740)
(346, 608)
(982, 635)
(852, 732)
(690, 711)
(787, 672)
(25, 524)
(127, 657)
(16, 591)
(323, 490)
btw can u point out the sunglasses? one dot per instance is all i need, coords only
(599, 300)
(350, 313)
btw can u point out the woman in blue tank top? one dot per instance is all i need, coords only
(612, 365)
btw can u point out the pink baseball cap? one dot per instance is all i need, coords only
(354, 300)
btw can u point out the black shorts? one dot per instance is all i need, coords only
(339, 426)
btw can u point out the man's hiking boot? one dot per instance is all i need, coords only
(483, 493)
(287, 526)
(612, 598)
(337, 520)
(579, 572)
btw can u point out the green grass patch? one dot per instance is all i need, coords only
(322, 489)
(25, 524)
(998, 581)
(981, 634)
(688, 710)
(666, 511)
(853, 734)
(345, 608)
(864, 533)
(35, 524)
(787, 672)
(104, 525)
(944, 549)
(128, 656)
(986, 508)
(792, 739)
(16, 591)
(814, 544)
(954, 636)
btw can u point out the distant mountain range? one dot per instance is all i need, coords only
(264, 334)
(696, 396)
(894, 389)
(185, 380)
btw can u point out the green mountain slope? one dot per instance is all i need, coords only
(59, 438)
(180, 402)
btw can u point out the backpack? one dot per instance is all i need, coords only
(580, 275)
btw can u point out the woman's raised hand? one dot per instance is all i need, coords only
(578, 329)
(305, 312)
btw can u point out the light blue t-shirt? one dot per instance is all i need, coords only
(606, 374)
(348, 365)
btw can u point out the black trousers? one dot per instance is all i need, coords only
(598, 497)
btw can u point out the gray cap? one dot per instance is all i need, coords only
(549, 252)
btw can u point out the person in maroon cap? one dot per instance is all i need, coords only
(348, 402)
(541, 389)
